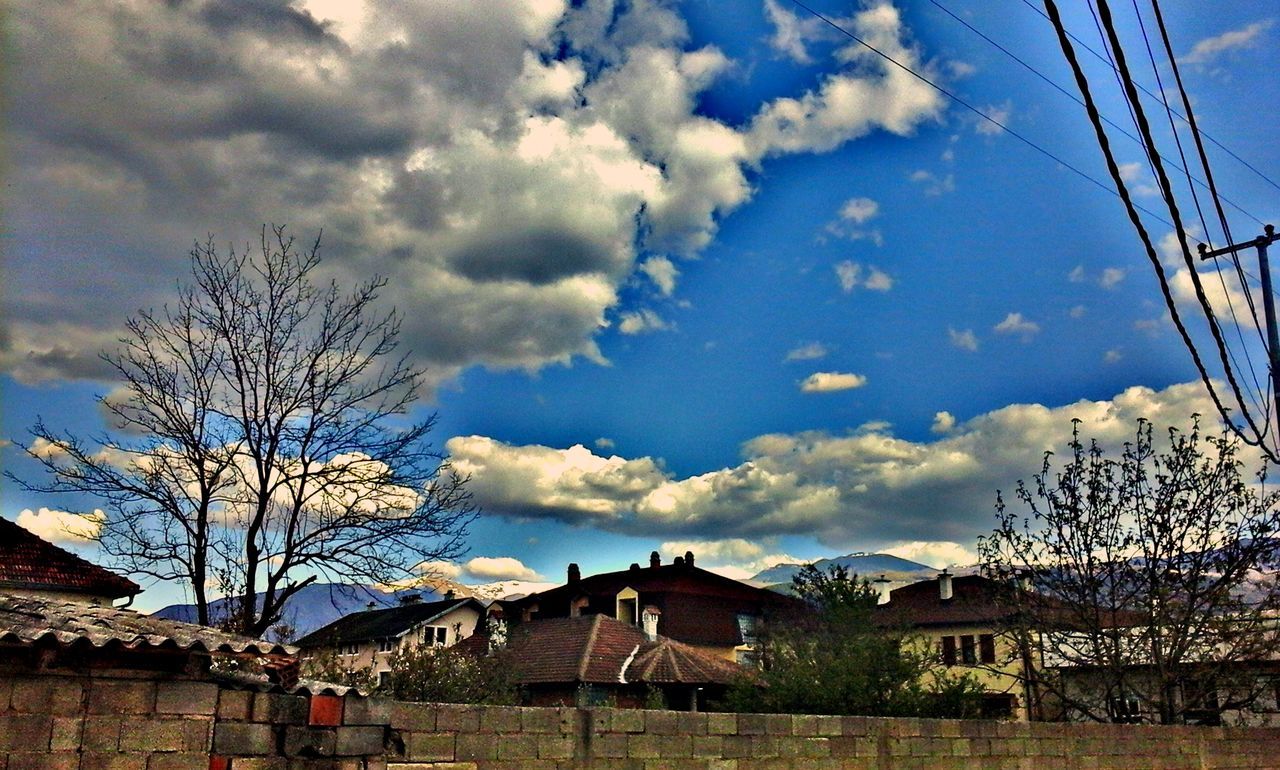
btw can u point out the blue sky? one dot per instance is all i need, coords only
(686, 275)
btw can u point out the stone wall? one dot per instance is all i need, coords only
(166, 723)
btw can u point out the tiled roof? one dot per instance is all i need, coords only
(383, 623)
(29, 620)
(973, 601)
(597, 649)
(27, 561)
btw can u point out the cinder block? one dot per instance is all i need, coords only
(499, 719)
(101, 733)
(413, 716)
(244, 739)
(571, 720)
(25, 732)
(115, 761)
(48, 695)
(555, 746)
(235, 705)
(737, 746)
(541, 720)
(366, 711)
(627, 721)
(461, 719)
(197, 734)
(513, 747)
(804, 725)
(187, 698)
(45, 760)
(66, 734)
(476, 747)
(429, 747)
(751, 724)
(829, 726)
(644, 746)
(307, 741)
(361, 740)
(660, 722)
(722, 724)
(279, 709)
(778, 724)
(184, 761)
(122, 697)
(152, 735)
(609, 745)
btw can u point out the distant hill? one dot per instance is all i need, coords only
(868, 565)
(315, 606)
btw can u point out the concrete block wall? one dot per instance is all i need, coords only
(441, 737)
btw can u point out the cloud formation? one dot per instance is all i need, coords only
(1015, 324)
(964, 339)
(62, 526)
(851, 276)
(866, 489)
(1205, 51)
(509, 165)
(828, 382)
(809, 352)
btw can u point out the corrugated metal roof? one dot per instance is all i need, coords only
(27, 620)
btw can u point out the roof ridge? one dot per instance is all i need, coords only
(585, 661)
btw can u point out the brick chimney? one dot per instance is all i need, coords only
(688, 558)
(655, 560)
(575, 574)
(678, 561)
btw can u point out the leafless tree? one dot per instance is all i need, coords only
(262, 439)
(1147, 576)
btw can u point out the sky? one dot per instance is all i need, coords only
(685, 275)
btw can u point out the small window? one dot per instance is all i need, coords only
(1125, 709)
(442, 636)
(386, 644)
(384, 677)
(350, 648)
(747, 628)
(968, 650)
(949, 650)
(987, 647)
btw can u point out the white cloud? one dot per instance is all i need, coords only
(1111, 277)
(829, 382)
(939, 554)
(791, 33)
(851, 276)
(812, 351)
(943, 422)
(735, 558)
(1014, 323)
(859, 210)
(488, 568)
(511, 165)
(1000, 113)
(964, 339)
(1112, 356)
(604, 443)
(643, 320)
(1210, 48)
(62, 526)
(1223, 291)
(1077, 311)
(1077, 274)
(933, 184)
(836, 487)
(442, 569)
(662, 272)
(960, 69)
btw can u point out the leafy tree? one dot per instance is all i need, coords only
(1147, 576)
(450, 676)
(261, 439)
(835, 657)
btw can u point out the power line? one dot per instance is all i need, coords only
(1075, 98)
(958, 100)
(1144, 90)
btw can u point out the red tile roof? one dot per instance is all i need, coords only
(597, 649)
(28, 562)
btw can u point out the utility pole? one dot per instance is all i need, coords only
(1268, 299)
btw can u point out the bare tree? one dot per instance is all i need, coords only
(262, 440)
(1143, 585)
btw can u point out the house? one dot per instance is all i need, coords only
(961, 618)
(32, 566)
(367, 639)
(690, 605)
(597, 660)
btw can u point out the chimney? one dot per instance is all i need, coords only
(634, 567)
(450, 594)
(944, 586)
(679, 561)
(412, 598)
(371, 606)
(649, 619)
(882, 589)
(688, 558)
(575, 574)
(655, 560)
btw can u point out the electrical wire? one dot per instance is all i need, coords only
(1076, 99)
(960, 101)
(1180, 116)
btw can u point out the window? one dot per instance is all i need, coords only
(998, 705)
(1125, 709)
(747, 628)
(968, 650)
(384, 677)
(386, 644)
(987, 648)
(349, 648)
(435, 636)
(949, 650)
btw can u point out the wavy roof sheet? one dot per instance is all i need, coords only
(29, 620)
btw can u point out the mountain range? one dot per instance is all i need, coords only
(869, 565)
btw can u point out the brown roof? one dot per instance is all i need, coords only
(973, 602)
(27, 561)
(597, 649)
(28, 620)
